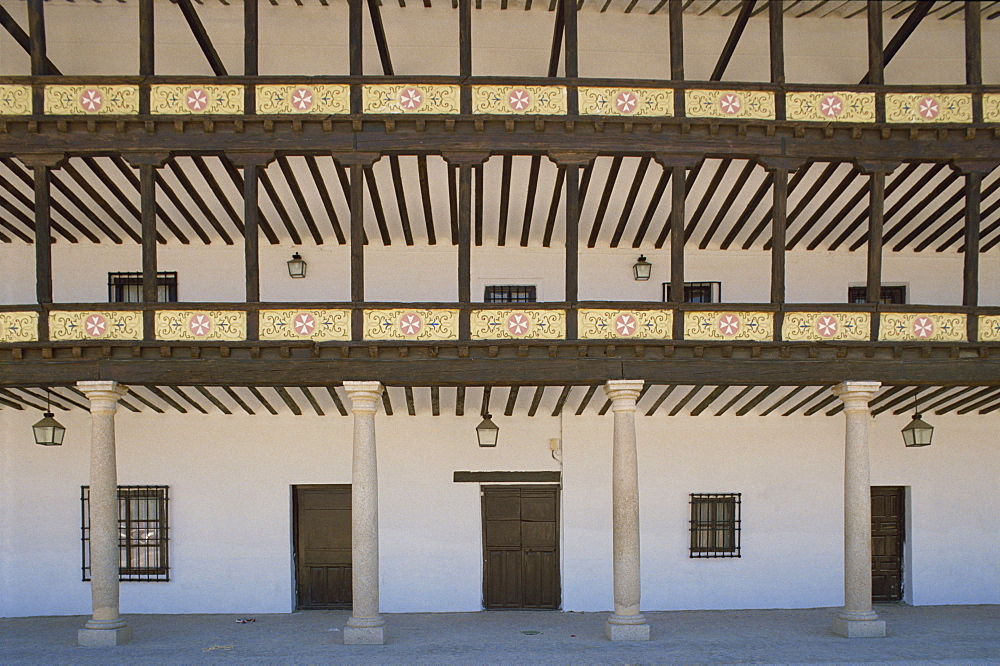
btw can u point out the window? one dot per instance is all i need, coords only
(890, 294)
(127, 287)
(696, 292)
(715, 525)
(506, 293)
(142, 532)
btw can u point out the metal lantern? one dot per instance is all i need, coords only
(487, 432)
(297, 266)
(917, 432)
(48, 431)
(642, 269)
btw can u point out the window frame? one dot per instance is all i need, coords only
(715, 533)
(124, 283)
(857, 294)
(714, 289)
(510, 293)
(132, 546)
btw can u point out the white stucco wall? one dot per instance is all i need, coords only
(230, 481)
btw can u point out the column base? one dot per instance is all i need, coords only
(364, 631)
(104, 637)
(627, 628)
(849, 628)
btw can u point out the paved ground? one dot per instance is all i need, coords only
(954, 634)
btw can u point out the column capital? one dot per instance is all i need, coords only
(364, 395)
(623, 392)
(856, 395)
(103, 395)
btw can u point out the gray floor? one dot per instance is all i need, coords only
(932, 634)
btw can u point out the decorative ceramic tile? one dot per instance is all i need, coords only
(15, 100)
(18, 326)
(920, 327)
(823, 326)
(989, 328)
(309, 99)
(201, 325)
(756, 326)
(197, 99)
(519, 100)
(625, 324)
(742, 104)
(826, 107)
(626, 101)
(92, 100)
(104, 325)
(318, 325)
(923, 108)
(518, 324)
(408, 98)
(991, 107)
(411, 324)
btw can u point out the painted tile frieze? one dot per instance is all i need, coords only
(320, 99)
(18, 327)
(742, 104)
(751, 326)
(201, 325)
(197, 99)
(519, 100)
(411, 324)
(104, 325)
(923, 108)
(626, 101)
(625, 324)
(991, 108)
(518, 324)
(92, 100)
(316, 325)
(409, 98)
(989, 328)
(921, 327)
(826, 326)
(826, 107)
(15, 100)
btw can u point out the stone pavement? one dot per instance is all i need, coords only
(927, 634)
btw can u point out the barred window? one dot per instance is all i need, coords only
(888, 294)
(507, 293)
(127, 287)
(696, 292)
(715, 525)
(142, 532)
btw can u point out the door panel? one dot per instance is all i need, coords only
(888, 526)
(323, 546)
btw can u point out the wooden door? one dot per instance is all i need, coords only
(887, 543)
(323, 546)
(521, 547)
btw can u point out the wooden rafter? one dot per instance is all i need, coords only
(195, 195)
(201, 36)
(630, 199)
(602, 207)
(21, 37)
(717, 177)
(917, 13)
(746, 10)
(529, 199)
(397, 183)
(793, 182)
(300, 201)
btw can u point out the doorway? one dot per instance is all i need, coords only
(888, 534)
(322, 538)
(521, 547)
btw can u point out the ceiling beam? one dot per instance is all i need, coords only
(746, 10)
(917, 13)
(380, 41)
(21, 37)
(201, 36)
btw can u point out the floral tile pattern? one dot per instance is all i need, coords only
(509, 324)
(103, 325)
(321, 99)
(826, 326)
(989, 328)
(413, 324)
(750, 326)
(925, 108)
(735, 104)
(409, 98)
(827, 107)
(196, 99)
(991, 107)
(519, 100)
(626, 101)
(201, 325)
(625, 324)
(92, 100)
(921, 327)
(316, 325)
(18, 326)
(15, 100)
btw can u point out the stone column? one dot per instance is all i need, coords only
(627, 623)
(857, 619)
(365, 626)
(106, 627)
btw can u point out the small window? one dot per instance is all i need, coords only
(506, 293)
(127, 287)
(890, 294)
(142, 533)
(715, 525)
(696, 292)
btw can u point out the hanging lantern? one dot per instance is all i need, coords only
(487, 432)
(917, 432)
(642, 269)
(297, 266)
(48, 431)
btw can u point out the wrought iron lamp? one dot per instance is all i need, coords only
(487, 432)
(48, 431)
(917, 432)
(297, 266)
(642, 269)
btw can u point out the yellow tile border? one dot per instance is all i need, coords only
(928, 108)
(826, 326)
(989, 328)
(15, 100)
(732, 104)
(405, 98)
(729, 325)
(305, 324)
(304, 99)
(515, 324)
(92, 100)
(520, 100)
(95, 325)
(18, 327)
(201, 325)
(626, 102)
(415, 324)
(196, 99)
(922, 327)
(612, 324)
(830, 107)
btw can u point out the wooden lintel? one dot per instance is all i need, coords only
(966, 167)
(356, 158)
(773, 163)
(50, 160)
(567, 159)
(869, 167)
(243, 160)
(136, 160)
(460, 158)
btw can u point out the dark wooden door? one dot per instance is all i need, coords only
(888, 530)
(521, 547)
(323, 546)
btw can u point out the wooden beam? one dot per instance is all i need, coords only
(707, 197)
(685, 400)
(165, 397)
(529, 199)
(300, 201)
(508, 164)
(201, 36)
(376, 200)
(917, 13)
(675, 12)
(188, 399)
(464, 244)
(776, 36)
(460, 401)
(778, 227)
(22, 38)
(765, 391)
(220, 195)
(783, 399)
(850, 205)
(723, 211)
(465, 53)
(182, 209)
(147, 206)
(43, 238)
(453, 207)
(484, 409)
(768, 217)
(630, 199)
(970, 273)
(511, 400)
(586, 399)
(105, 206)
(324, 194)
(436, 398)
(238, 400)
(561, 400)
(973, 45)
(237, 178)
(288, 400)
(36, 30)
(557, 39)
(677, 196)
(147, 40)
(905, 200)
(536, 400)
(410, 406)
(746, 9)
(195, 195)
(602, 207)
(959, 216)
(355, 45)
(251, 231)
(279, 206)
(654, 202)
(550, 221)
(692, 177)
(24, 176)
(876, 206)
(572, 271)
(221, 406)
(425, 195)
(812, 396)
(660, 400)
(821, 182)
(824, 207)
(380, 41)
(570, 55)
(262, 400)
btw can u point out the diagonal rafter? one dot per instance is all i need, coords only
(746, 10)
(201, 36)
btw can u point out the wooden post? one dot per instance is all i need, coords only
(676, 29)
(876, 207)
(572, 295)
(778, 226)
(357, 248)
(465, 53)
(147, 203)
(973, 200)
(251, 231)
(250, 54)
(974, 55)
(677, 196)
(464, 248)
(776, 29)
(571, 58)
(557, 39)
(876, 62)
(147, 51)
(36, 31)
(355, 20)
(43, 237)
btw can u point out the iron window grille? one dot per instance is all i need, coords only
(506, 293)
(143, 533)
(889, 294)
(127, 287)
(696, 292)
(715, 525)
